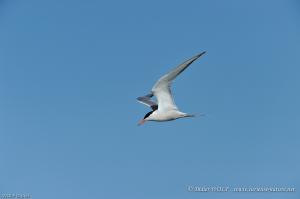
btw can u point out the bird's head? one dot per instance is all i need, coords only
(147, 117)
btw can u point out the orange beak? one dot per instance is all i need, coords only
(141, 122)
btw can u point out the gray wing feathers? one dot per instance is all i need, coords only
(175, 72)
(146, 100)
(162, 90)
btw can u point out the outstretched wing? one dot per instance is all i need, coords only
(162, 90)
(146, 100)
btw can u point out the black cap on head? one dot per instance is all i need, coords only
(147, 115)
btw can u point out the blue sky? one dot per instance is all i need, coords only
(70, 72)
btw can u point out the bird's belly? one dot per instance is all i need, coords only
(167, 116)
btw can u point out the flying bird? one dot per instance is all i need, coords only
(165, 109)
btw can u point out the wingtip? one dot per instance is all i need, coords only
(143, 97)
(198, 55)
(202, 53)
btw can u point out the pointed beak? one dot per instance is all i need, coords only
(141, 122)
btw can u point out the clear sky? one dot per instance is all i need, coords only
(70, 72)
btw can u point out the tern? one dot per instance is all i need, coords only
(165, 108)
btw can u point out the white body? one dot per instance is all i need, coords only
(162, 116)
(165, 108)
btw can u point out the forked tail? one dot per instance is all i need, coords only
(193, 115)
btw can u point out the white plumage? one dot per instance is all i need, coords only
(165, 109)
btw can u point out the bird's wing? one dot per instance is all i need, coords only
(146, 100)
(162, 90)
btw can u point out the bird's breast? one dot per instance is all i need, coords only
(166, 115)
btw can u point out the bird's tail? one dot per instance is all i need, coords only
(189, 115)
(193, 115)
